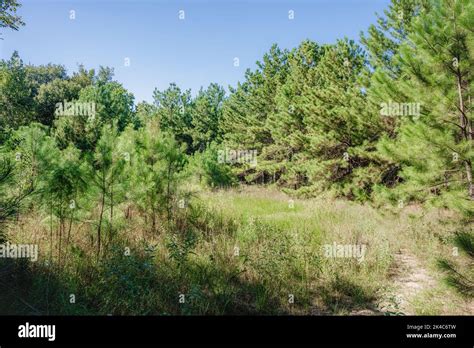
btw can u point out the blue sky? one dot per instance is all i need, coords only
(162, 48)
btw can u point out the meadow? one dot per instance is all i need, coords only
(252, 250)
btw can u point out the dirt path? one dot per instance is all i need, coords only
(409, 278)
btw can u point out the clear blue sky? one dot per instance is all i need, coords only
(162, 48)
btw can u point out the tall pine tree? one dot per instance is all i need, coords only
(435, 150)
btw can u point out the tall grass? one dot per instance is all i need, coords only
(249, 251)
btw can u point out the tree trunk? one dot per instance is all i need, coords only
(66, 257)
(101, 216)
(466, 133)
(61, 224)
(100, 223)
(168, 198)
(111, 210)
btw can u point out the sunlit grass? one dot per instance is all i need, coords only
(241, 251)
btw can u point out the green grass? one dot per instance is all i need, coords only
(231, 252)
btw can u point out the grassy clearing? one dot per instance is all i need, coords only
(248, 251)
(424, 233)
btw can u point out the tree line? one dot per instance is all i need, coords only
(387, 120)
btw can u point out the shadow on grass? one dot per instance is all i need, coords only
(20, 281)
(142, 284)
(129, 285)
(342, 295)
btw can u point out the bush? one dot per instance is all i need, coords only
(209, 170)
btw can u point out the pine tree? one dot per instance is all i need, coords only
(55, 177)
(211, 169)
(175, 113)
(12, 193)
(383, 40)
(435, 146)
(156, 166)
(106, 173)
(250, 104)
(63, 187)
(206, 116)
(342, 127)
(460, 273)
(286, 123)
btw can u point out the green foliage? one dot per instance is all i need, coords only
(146, 112)
(8, 16)
(11, 193)
(64, 183)
(83, 77)
(435, 148)
(194, 122)
(206, 116)
(318, 119)
(111, 103)
(52, 93)
(44, 74)
(383, 40)
(16, 96)
(249, 106)
(156, 166)
(174, 113)
(55, 177)
(33, 151)
(318, 130)
(179, 250)
(106, 175)
(210, 170)
(286, 123)
(460, 273)
(342, 127)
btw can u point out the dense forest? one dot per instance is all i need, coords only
(224, 203)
